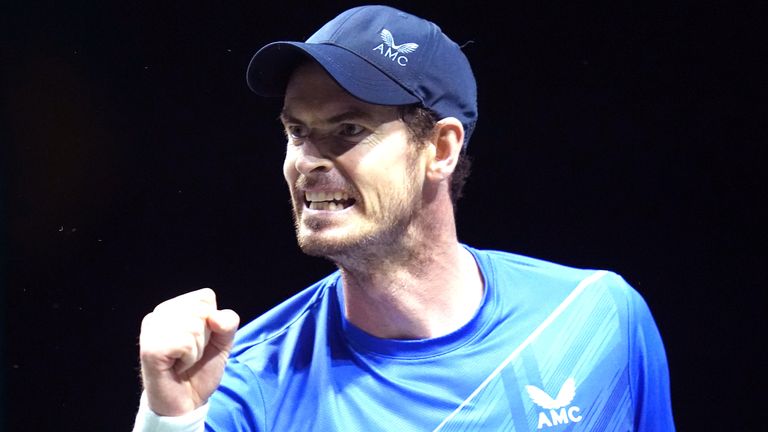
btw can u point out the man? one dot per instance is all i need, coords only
(416, 331)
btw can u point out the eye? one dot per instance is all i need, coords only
(350, 130)
(296, 131)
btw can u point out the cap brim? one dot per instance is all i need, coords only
(271, 67)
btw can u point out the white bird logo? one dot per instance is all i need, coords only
(564, 396)
(405, 48)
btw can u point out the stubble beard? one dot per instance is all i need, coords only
(379, 238)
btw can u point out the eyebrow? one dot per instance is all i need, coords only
(349, 114)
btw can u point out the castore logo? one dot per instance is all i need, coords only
(558, 414)
(395, 52)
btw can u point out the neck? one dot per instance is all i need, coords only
(425, 286)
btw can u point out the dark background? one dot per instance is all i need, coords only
(137, 166)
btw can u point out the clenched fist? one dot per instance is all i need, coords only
(185, 343)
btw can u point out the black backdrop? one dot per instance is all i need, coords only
(138, 166)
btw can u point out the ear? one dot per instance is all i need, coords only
(445, 148)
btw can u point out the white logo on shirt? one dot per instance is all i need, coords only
(558, 414)
(395, 52)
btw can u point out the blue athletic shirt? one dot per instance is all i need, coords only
(550, 348)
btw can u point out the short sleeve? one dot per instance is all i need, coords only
(649, 371)
(238, 403)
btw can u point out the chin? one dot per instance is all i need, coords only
(353, 236)
(336, 241)
(342, 246)
(324, 238)
(327, 248)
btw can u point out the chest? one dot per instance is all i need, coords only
(529, 373)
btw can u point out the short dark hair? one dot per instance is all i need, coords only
(420, 123)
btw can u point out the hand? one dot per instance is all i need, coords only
(184, 346)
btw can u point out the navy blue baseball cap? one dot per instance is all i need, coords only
(382, 56)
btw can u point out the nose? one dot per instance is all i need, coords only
(310, 159)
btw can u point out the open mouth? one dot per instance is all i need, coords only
(332, 201)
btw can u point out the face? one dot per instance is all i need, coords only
(354, 176)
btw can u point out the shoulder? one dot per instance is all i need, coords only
(275, 323)
(541, 277)
(525, 269)
(265, 350)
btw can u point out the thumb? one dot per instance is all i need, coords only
(223, 325)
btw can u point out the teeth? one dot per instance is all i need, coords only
(325, 205)
(325, 200)
(326, 196)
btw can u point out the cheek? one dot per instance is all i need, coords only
(289, 169)
(290, 175)
(381, 183)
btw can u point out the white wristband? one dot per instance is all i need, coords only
(148, 421)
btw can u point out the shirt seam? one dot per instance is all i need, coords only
(323, 291)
